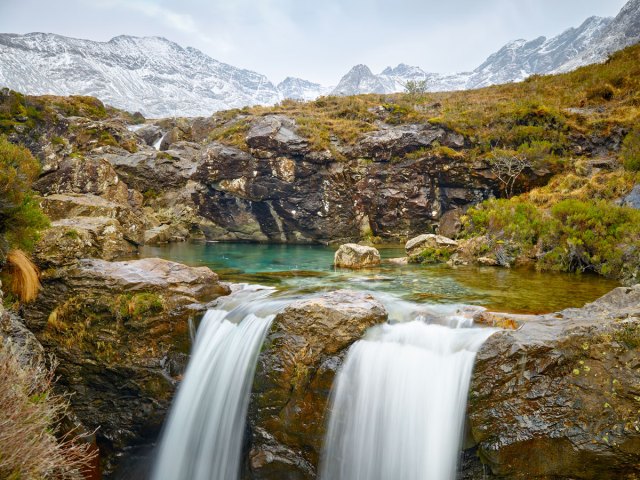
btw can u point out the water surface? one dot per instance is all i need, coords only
(301, 269)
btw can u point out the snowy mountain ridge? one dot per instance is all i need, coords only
(162, 79)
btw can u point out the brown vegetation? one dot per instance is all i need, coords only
(30, 413)
(25, 282)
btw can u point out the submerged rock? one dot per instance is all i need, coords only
(120, 331)
(352, 255)
(295, 371)
(559, 397)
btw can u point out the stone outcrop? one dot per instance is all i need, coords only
(64, 206)
(559, 397)
(83, 175)
(416, 245)
(71, 239)
(352, 255)
(295, 371)
(120, 332)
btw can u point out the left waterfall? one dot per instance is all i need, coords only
(202, 439)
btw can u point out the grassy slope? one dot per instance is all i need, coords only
(572, 224)
(505, 116)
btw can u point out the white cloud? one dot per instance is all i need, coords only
(182, 22)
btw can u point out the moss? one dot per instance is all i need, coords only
(432, 255)
(57, 140)
(568, 235)
(20, 215)
(629, 335)
(137, 306)
(630, 152)
(233, 133)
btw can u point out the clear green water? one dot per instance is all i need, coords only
(309, 268)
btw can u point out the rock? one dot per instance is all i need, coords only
(399, 261)
(61, 206)
(487, 261)
(84, 175)
(558, 398)
(352, 255)
(71, 239)
(450, 225)
(150, 134)
(632, 199)
(397, 140)
(121, 333)
(276, 133)
(165, 234)
(294, 375)
(416, 245)
(12, 328)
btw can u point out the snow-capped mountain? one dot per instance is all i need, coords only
(591, 42)
(622, 31)
(160, 78)
(517, 60)
(299, 89)
(151, 75)
(360, 79)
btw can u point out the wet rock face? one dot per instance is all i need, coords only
(120, 332)
(352, 255)
(558, 398)
(295, 371)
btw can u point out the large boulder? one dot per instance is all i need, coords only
(559, 397)
(295, 371)
(84, 175)
(276, 133)
(71, 239)
(120, 331)
(418, 244)
(62, 206)
(397, 140)
(352, 255)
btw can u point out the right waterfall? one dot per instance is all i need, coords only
(398, 403)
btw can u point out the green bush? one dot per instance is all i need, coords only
(631, 151)
(571, 236)
(20, 214)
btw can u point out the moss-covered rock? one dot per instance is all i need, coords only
(295, 371)
(121, 333)
(558, 397)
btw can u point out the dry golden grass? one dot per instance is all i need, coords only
(25, 281)
(31, 447)
(592, 100)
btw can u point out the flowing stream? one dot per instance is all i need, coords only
(203, 436)
(398, 404)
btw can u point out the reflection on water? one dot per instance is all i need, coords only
(309, 268)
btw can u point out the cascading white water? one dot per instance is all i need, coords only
(398, 403)
(203, 436)
(158, 142)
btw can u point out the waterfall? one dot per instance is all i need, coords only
(158, 142)
(203, 436)
(398, 403)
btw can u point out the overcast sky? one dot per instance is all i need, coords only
(314, 39)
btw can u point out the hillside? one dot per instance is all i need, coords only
(377, 167)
